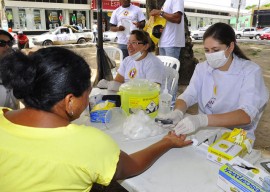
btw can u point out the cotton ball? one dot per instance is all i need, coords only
(140, 125)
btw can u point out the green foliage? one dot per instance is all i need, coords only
(255, 6)
(255, 52)
(251, 7)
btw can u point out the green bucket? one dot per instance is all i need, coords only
(140, 94)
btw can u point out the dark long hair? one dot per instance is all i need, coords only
(46, 76)
(144, 37)
(224, 34)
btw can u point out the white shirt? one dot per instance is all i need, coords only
(95, 28)
(173, 34)
(150, 68)
(241, 87)
(125, 16)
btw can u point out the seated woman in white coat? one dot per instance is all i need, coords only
(228, 88)
(140, 64)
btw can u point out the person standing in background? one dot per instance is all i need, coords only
(10, 20)
(95, 31)
(83, 21)
(104, 25)
(73, 19)
(22, 20)
(50, 18)
(173, 35)
(125, 19)
(61, 18)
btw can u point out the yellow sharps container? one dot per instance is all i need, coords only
(140, 94)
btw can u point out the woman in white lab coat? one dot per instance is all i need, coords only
(228, 87)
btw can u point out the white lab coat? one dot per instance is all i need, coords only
(241, 87)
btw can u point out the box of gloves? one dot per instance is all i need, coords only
(239, 175)
(230, 145)
(98, 112)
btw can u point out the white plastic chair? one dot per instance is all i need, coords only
(112, 52)
(170, 62)
(172, 82)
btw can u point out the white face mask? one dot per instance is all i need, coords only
(217, 59)
(136, 56)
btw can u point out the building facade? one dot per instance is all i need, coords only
(48, 14)
(45, 14)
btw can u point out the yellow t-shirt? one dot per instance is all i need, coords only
(68, 158)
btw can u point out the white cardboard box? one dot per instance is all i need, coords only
(233, 176)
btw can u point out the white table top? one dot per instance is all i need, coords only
(182, 169)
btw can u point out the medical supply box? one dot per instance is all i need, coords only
(238, 175)
(98, 112)
(228, 146)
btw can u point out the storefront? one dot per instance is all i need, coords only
(30, 16)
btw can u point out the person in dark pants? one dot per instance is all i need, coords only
(10, 20)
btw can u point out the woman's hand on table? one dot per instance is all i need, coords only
(136, 163)
(177, 141)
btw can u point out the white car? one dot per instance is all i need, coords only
(198, 34)
(250, 32)
(110, 36)
(63, 35)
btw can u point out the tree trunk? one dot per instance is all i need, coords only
(187, 59)
(153, 4)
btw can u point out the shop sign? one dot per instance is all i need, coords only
(109, 4)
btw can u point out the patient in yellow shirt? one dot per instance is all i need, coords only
(40, 150)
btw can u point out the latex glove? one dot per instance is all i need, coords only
(176, 116)
(191, 123)
(114, 85)
(103, 84)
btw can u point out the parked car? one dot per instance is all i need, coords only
(265, 36)
(63, 35)
(265, 28)
(198, 34)
(250, 32)
(110, 36)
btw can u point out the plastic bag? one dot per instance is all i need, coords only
(154, 27)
